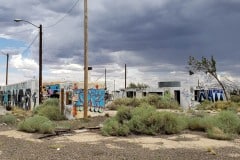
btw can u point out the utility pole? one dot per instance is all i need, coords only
(40, 56)
(105, 79)
(40, 64)
(125, 76)
(7, 69)
(85, 104)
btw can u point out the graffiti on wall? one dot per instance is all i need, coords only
(21, 98)
(211, 95)
(21, 95)
(96, 101)
(51, 91)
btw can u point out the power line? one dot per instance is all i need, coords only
(9, 34)
(30, 44)
(58, 21)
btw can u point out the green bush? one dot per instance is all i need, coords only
(235, 98)
(131, 102)
(146, 124)
(51, 112)
(144, 120)
(205, 105)
(36, 123)
(217, 133)
(228, 122)
(47, 102)
(50, 109)
(161, 102)
(124, 114)
(112, 127)
(219, 105)
(197, 124)
(46, 127)
(151, 99)
(51, 102)
(173, 123)
(8, 119)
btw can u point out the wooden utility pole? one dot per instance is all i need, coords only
(40, 64)
(125, 76)
(85, 105)
(105, 79)
(7, 69)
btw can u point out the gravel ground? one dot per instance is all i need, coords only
(17, 149)
(104, 149)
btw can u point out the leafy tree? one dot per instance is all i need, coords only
(207, 66)
(139, 85)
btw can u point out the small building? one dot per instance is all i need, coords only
(185, 94)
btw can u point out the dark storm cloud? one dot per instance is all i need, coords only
(172, 32)
(151, 35)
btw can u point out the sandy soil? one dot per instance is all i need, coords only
(185, 140)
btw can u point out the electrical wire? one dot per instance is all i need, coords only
(26, 49)
(9, 34)
(100, 77)
(61, 19)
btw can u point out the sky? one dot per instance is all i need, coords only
(154, 38)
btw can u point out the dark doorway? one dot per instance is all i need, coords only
(177, 95)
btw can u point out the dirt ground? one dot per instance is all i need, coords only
(90, 144)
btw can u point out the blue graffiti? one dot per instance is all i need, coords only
(96, 101)
(211, 95)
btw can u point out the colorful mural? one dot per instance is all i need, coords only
(96, 101)
(51, 90)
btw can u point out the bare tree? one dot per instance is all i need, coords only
(207, 66)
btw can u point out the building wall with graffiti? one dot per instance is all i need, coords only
(23, 95)
(96, 100)
(212, 94)
(73, 97)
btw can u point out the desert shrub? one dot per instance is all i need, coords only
(124, 114)
(228, 122)
(8, 119)
(151, 99)
(219, 105)
(46, 127)
(51, 112)
(144, 120)
(172, 122)
(205, 105)
(226, 105)
(197, 124)
(112, 127)
(21, 113)
(217, 133)
(235, 98)
(50, 109)
(161, 102)
(51, 102)
(47, 102)
(36, 123)
(168, 102)
(132, 102)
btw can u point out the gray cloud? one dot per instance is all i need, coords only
(143, 34)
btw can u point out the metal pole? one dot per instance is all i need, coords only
(7, 70)
(85, 105)
(40, 64)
